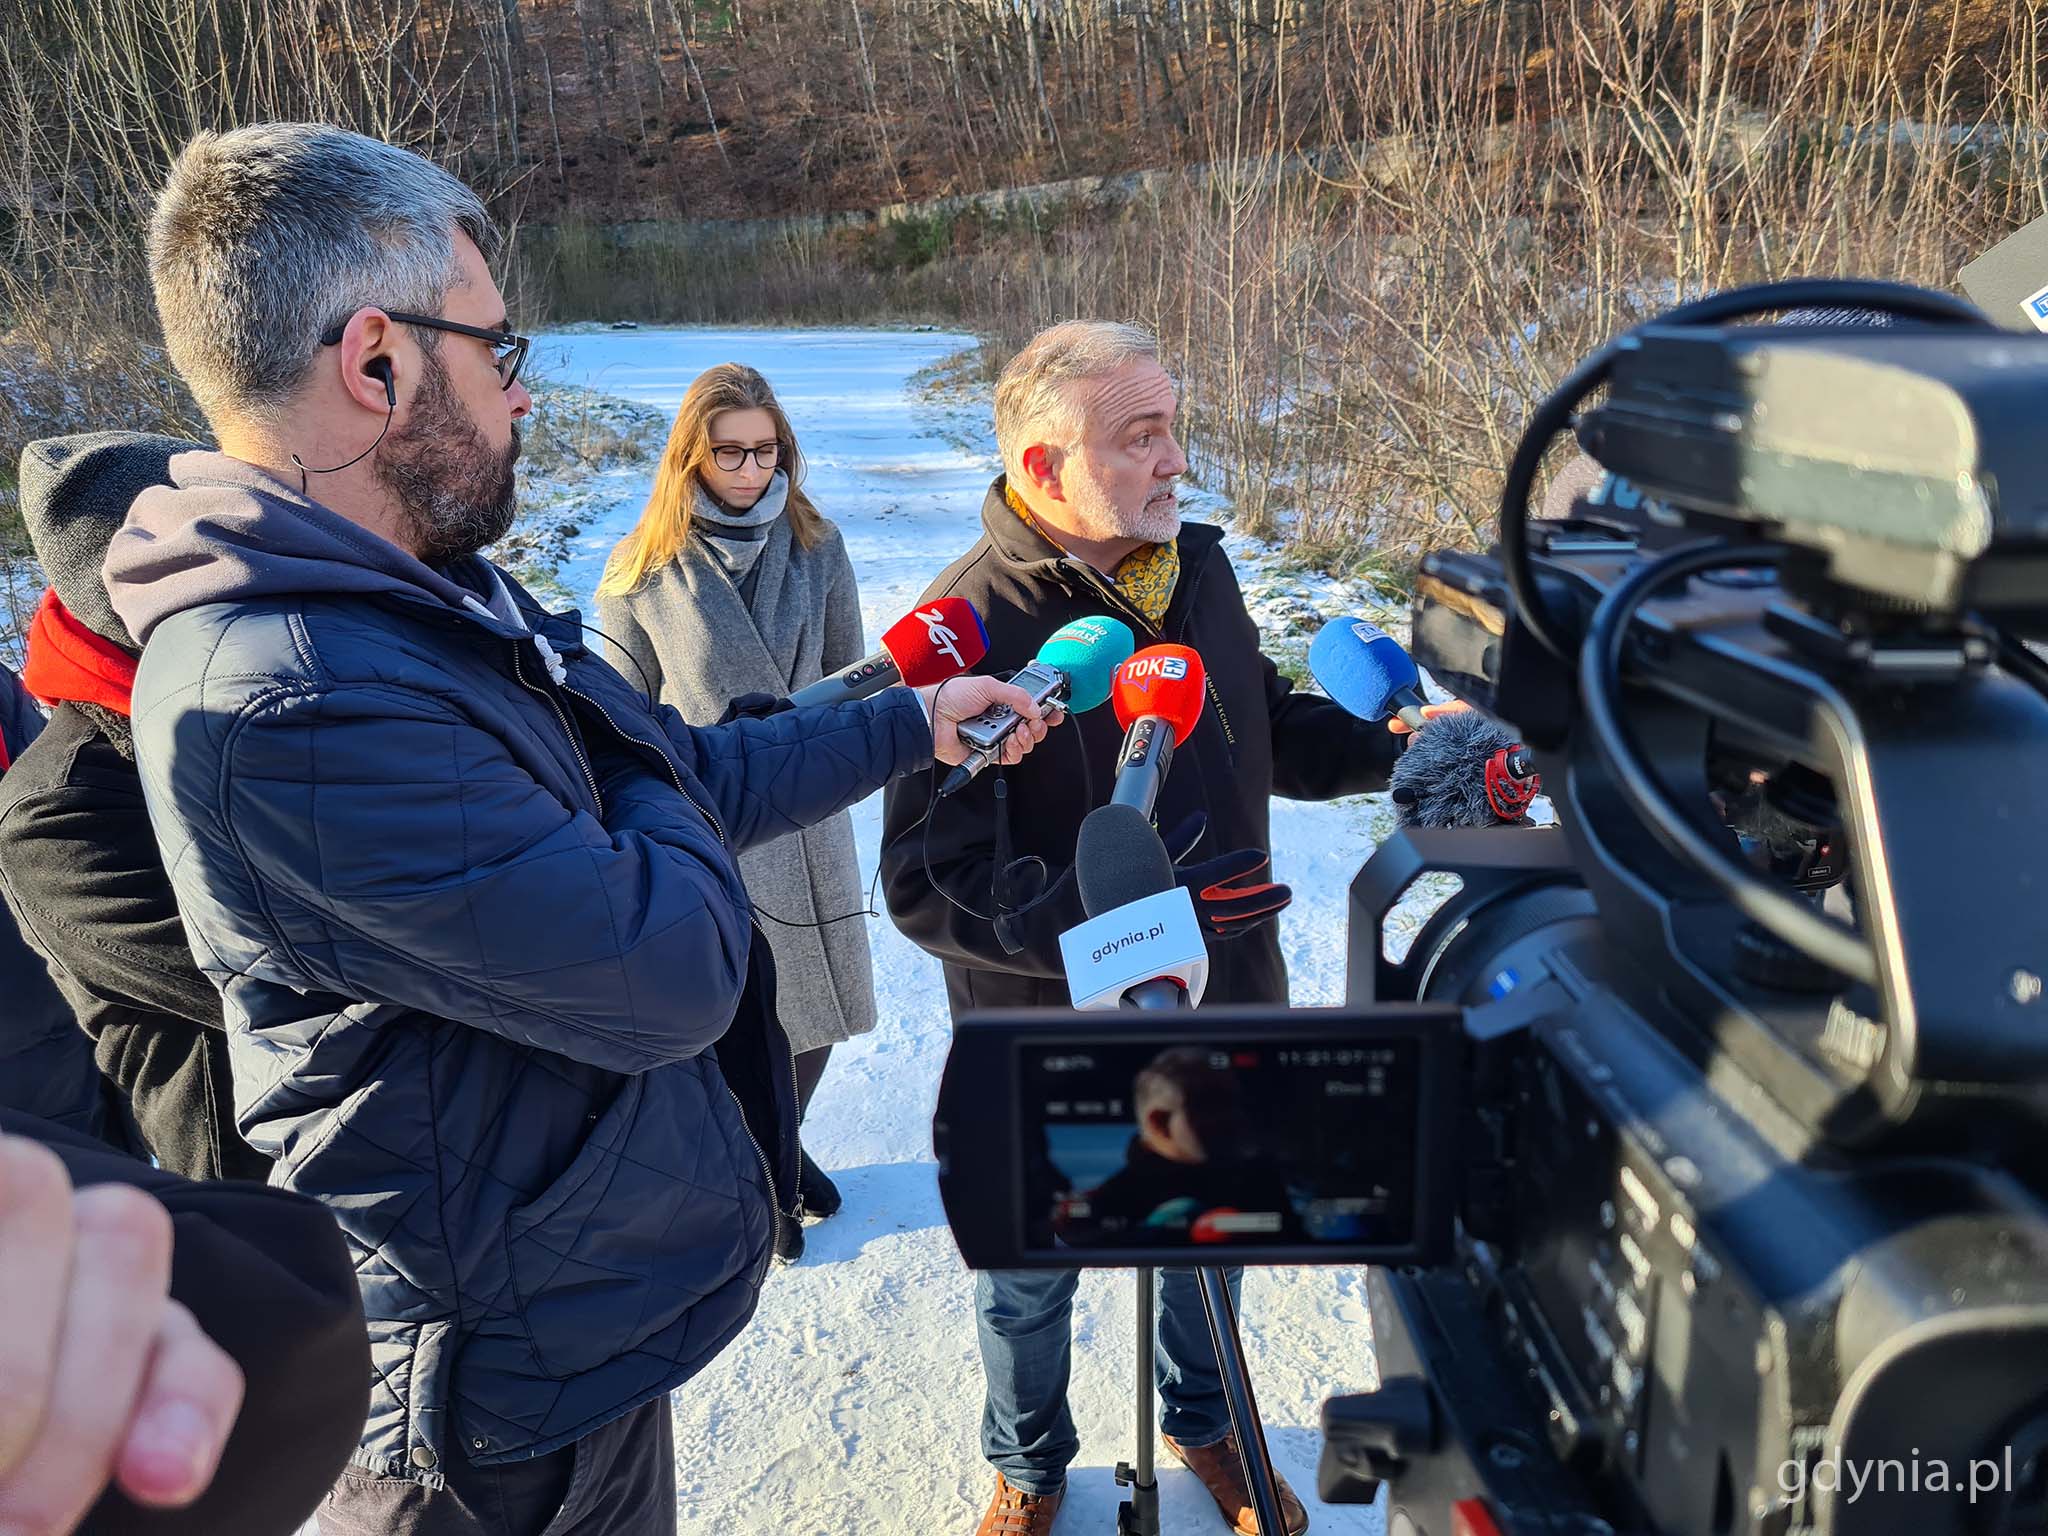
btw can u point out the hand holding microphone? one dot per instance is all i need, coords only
(963, 699)
(1071, 673)
(1465, 770)
(1399, 725)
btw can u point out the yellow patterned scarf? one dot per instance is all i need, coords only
(1145, 578)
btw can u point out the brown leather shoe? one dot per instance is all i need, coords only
(1222, 1473)
(1013, 1512)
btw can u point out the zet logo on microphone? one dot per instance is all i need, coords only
(943, 640)
(2036, 306)
(1367, 633)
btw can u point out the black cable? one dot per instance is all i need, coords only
(922, 821)
(380, 369)
(2022, 663)
(1555, 413)
(925, 846)
(1805, 928)
(925, 821)
(646, 682)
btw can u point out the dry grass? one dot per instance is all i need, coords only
(1359, 329)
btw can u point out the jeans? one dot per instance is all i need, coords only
(1025, 1321)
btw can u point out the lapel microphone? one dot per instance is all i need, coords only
(379, 368)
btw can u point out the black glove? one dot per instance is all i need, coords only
(754, 706)
(1230, 899)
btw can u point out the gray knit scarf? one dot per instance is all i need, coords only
(735, 538)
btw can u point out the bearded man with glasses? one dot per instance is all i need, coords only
(472, 902)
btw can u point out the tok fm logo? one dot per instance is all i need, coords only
(1141, 672)
(943, 640)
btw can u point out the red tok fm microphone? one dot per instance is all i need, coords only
(929, 644)
(1157, 695)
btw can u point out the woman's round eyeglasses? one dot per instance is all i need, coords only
(730, 456)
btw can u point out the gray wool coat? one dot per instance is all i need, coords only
(699, 647)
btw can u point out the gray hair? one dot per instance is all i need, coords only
(265, 237)
(1034, 396)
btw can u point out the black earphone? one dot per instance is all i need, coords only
(376, 368)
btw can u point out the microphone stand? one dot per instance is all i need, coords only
(1139, 1514)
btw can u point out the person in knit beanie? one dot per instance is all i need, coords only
(79, 864)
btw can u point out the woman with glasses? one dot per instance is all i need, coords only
(732, 583)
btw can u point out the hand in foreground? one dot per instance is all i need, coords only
(1430, 712)
(964, 697)
(102, 1376)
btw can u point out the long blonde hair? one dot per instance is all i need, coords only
(664, 527)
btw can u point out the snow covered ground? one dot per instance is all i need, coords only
(852, 1404)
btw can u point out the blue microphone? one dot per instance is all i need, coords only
(1364, 669)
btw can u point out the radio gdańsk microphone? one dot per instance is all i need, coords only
(1071, 671)
(929, 644)
(1157, 695)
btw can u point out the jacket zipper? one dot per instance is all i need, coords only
(674, 777)
(767, 1173)
(575, 747)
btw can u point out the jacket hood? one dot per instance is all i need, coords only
(227, 532)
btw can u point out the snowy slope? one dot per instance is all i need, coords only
(852, 1403)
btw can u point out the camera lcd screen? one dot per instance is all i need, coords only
(1218, 1145)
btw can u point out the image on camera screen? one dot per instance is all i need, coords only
(1196, 1146)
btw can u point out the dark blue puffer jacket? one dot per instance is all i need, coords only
(485, 952)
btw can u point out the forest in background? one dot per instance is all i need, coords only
(1385, 227)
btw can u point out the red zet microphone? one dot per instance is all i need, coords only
(1157, 696)
(929, 644)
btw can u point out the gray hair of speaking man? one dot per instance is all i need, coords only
(265, 236)
(1036, 401)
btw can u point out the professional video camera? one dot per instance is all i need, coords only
(1699, 1204)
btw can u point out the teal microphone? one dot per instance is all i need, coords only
(1074, 670)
